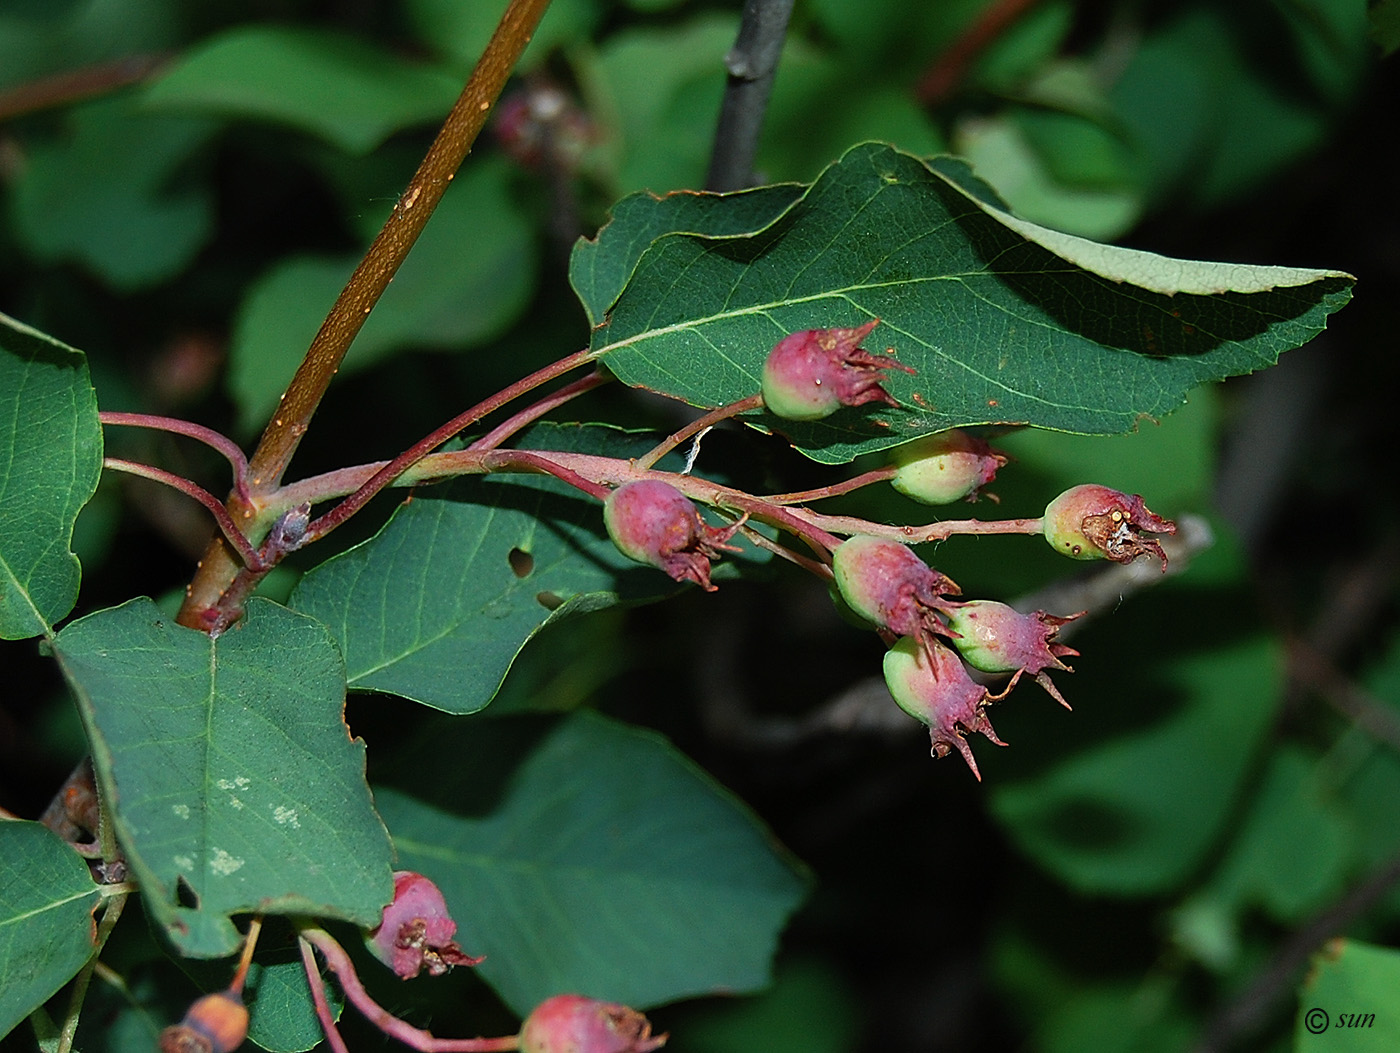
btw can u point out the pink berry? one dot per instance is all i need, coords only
(574, 1024)
(885, 583)
(416, 930)
(946, 467)
(929, 682)
(996, 638)
(654, 523)
(1095, 522)
(810, 374)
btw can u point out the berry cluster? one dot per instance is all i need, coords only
(941, 647)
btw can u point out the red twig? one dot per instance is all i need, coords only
(426, 445)
(318, 997)
(533, 412)
(941, 78)
(801, 497)
(211, 438)
(415, 1038)
(74, 85)
(696, 426)
(230, 530)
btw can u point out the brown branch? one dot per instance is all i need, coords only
(407, 220)
(942, 78)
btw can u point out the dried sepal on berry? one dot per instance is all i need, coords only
(996, 638)
(652, 522)
(216, 1023)
(814, 372)
(575, 1024)
(886, 583)
(416, 930)
(1096, 522)
(930, 683)
(946, 467)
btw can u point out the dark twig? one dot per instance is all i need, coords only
(752, 63)
(1252, 1007)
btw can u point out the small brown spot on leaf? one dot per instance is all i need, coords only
(521, 562)
(550, 601)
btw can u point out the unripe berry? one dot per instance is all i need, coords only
(929, 683)
(1095, 522)
(810, 374)
(885, 583)
(416, 930)
(996, 638)
(574, 1024)
(943, 468)
(654, 523)
(216, 1023)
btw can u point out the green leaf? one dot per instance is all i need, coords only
(583, 855)
(282, 1017)
(654, 86)
(46, 928)
(338, 87)
(599, 269)
(436, 606)
(1004, 321)
(1385, 24)
(1135, 813)
(1350, 1002)
(460, 31)
(138, 224)
(50, 460)
(233, 781)
(467, 278)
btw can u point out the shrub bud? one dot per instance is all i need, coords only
(416, 930)
(885, 583)
(929, 682)
(996, 638)
(1095, 522)
(654, 523)
(574, 1024)
(943, 468)
(216, 1023)
(812, 373)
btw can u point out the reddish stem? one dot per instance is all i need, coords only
(318, 997)
(801, 497)
(230, 529)
(423, 1041)
(71, 86)
(503, 431)
(941, 78)
(915, 535)
(696, 426)
(222, 443)
(426, 445)
(250, 941)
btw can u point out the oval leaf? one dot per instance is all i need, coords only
(46, 927)
(206, 751)
(1004, 322)
(584, 855)
(50, 459)
(334, 86)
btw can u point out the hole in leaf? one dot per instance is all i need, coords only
(521, 562)
(185, 895)
(550, 601)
